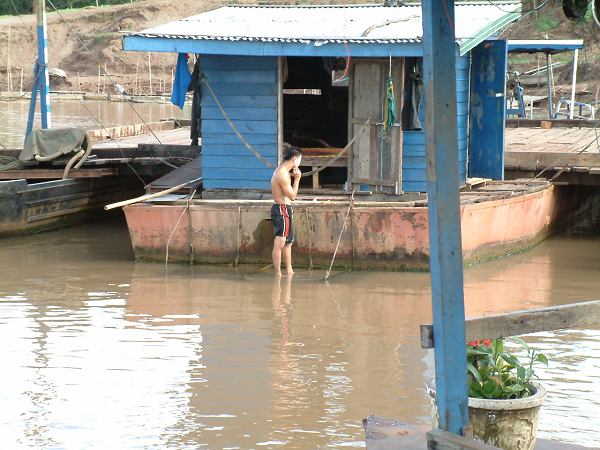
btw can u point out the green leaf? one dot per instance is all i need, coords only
(542, 358)
(510, 359)
(471, 368)
(520, 341)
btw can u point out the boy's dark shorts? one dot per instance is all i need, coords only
(281, 216)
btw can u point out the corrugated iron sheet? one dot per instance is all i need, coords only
(321, 25)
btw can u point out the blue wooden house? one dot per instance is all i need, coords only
(313, 75)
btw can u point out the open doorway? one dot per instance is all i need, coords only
(315, 114)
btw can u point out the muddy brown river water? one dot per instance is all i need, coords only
(98, 351)
(89, 114)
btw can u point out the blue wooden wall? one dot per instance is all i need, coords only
(246, 87)
(414, 172)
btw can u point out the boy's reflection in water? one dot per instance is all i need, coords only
(282, 304)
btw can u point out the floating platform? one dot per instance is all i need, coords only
(497, 218)
(567, 151)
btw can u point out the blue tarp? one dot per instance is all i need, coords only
(181, 81)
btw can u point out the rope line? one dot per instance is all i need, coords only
(339, 155)
(128, 101)
(350, 206)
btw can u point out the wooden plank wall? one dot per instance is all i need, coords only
(247, 88)
(414, 173)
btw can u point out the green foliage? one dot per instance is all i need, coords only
(547, 23)
(493, 373)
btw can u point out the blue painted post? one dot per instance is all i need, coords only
(41, 80)
(446, 266)
(32, 101)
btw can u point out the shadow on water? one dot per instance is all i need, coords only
(99, 350)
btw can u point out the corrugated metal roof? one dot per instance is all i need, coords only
(321, 25)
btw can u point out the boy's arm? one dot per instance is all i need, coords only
(290, 191)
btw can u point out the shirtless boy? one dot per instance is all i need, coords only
(284, 193)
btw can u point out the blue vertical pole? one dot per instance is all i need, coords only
(32, 101)
(439, 67)
(41, 80)
(44, 82)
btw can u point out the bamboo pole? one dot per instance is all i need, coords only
(143, 198)
(150, 73)
(99, 70)
(135, 86)
(104, 80)
(9, 86)
(163, 76)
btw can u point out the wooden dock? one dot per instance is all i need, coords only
(176, 136)
(570, 155)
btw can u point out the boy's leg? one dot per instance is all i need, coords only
(278, 245)
(287, 258)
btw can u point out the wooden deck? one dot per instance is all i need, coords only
(573, 153)
(552, 140)
(177, 136)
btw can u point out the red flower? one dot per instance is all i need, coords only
(487, 342)
(473, 343)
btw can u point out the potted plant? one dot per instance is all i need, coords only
(504, 399)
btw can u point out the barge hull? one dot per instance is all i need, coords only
(376, 237)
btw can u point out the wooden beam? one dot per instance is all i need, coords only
(53, 174)
(442, 440)
(550, 159)
(373, 181)
(556, 123)
(583, 314)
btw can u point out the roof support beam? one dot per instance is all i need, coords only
(260, 48)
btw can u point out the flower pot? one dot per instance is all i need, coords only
(507, 424)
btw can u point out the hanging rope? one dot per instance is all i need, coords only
(187, 208)
(340, 236)
(339, 155)
(113, 83)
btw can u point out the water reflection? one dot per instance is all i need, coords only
(101, 352)
(90, 114)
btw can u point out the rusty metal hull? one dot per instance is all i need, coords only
(33, 207)
(376, 237)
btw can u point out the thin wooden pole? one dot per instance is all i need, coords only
(149, 74)
(9, 86)
(136, 88)
(99, 71)
(104, 80)
(163, 90)
(78, 82)
(143, 198)
(171, 86)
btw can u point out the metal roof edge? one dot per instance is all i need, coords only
(373, 5)
(469, 44)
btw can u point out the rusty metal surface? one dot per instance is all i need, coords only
(393, 238)
(32, 207)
